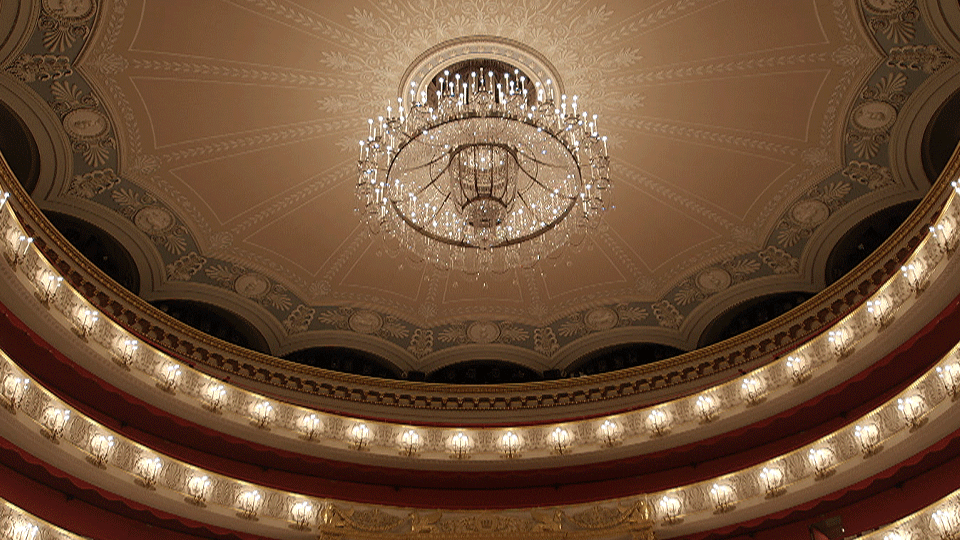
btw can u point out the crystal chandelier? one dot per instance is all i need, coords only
(484, 173)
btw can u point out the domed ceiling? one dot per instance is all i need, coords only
(216, 139)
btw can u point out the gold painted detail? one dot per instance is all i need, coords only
(627, 517)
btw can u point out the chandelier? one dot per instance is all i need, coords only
(484, 172)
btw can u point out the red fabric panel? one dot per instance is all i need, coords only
(284, 470)
(885, 498)
(76, 506)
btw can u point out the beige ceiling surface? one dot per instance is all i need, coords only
(236, 121)
(286, 203)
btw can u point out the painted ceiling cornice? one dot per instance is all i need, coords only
(228, 162)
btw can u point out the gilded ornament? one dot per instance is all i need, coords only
(483, 332)
(365, 322)
(602, 318)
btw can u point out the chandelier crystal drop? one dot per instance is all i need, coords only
(489, 174)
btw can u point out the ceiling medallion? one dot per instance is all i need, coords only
(483, 169)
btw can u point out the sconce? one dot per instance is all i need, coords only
(708, 407)
(658, 422)
(510, 444)
(912, 409)
(410, 442)
(125, 352)
(19, 246)
(799, 368)
(723, 497)
(560, 439)
(881, 309)
(21, 529)
(944, 235)
(261, 414)
(610, 433)
(950, 378)
(168, 376)
(198, 489)
(12, 391)
(300, 514)
(84, 320)
(48, 283)
(946, 522)
(868, 435)
(148, 471)
(753, 390)
(53, 421)
(360, 434)
(773, 481)
(915, 274)
(310, 426)
(248, 504)
(460, 445)
(213, 396)
(823, 461)
(841, 341)
(671, 508)
(101, 448)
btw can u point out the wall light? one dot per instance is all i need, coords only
(125, 352)
(84, 320)
(868, 435)
(410, 442)
(53, 420)
(148, 471)
(261, 414)
(213, 396)
(19, 247)
(753, 390)
(915, 274)
(248, 503)
(881, 309)
(670, 508)
(198, 489)
(708, 407)
(21, 529)
(101, 448)
(912, 409)
(799, 368)
(950, 378)
(946, 521)
(360, 434)
(12, 391)
(841, 341)
(300, 514)
(823, 461)
(560, 439)
(610, 433)
(48, 283)
(459, 444)
(310, 426)
(658, 422)
(773, 481)
(723, 497)
(168, 376)
(509, 444)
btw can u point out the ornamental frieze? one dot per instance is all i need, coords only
(48, 67)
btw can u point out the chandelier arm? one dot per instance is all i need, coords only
(439, 208)
(497, 150)
(433, 179)
(533, 178)
(551, 165)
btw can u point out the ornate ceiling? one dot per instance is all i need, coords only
(216, 140)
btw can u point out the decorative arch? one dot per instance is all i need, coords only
(347, 360)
